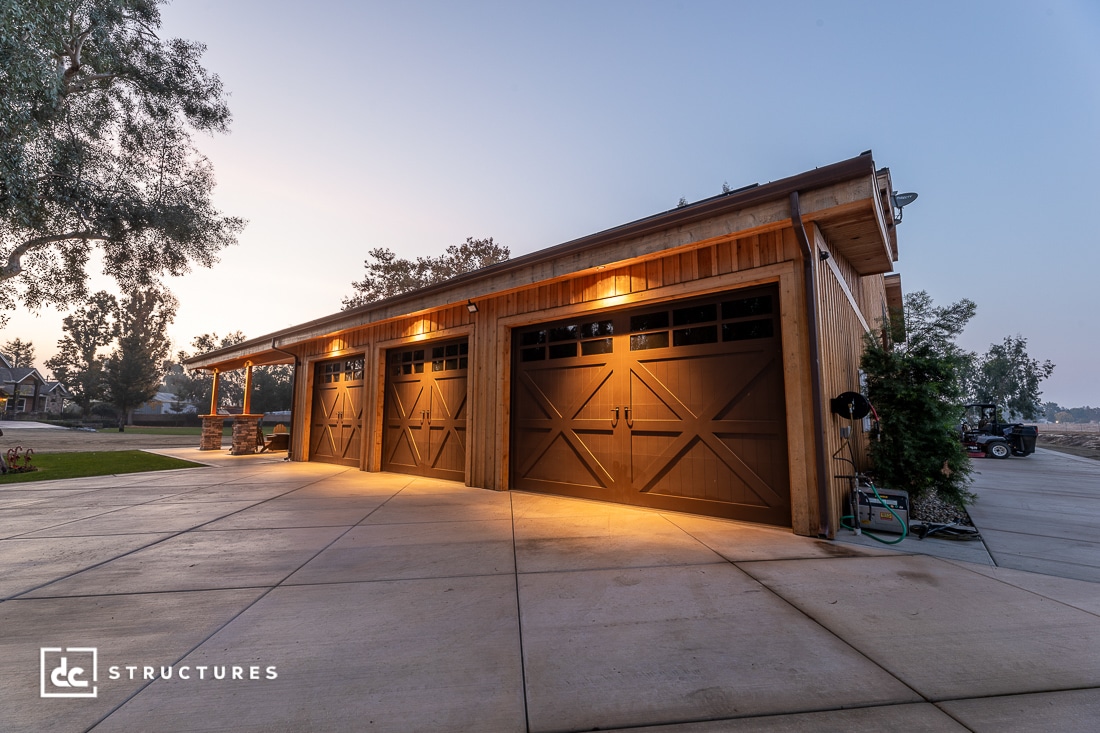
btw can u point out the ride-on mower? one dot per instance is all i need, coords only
(984, 436)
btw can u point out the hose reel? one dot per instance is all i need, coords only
(851, 405)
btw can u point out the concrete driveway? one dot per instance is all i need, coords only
(1041, 513)
(272, 596)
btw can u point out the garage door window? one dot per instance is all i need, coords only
(563, 342)
(339, 371)
(451, 357)
(741, 319)
(736, 320)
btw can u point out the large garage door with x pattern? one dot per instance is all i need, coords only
(425, 410)
(336, 420)
(678, 406)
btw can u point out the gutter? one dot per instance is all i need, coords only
(824, 516)
(293, 396)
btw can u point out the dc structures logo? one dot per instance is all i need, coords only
(68, 672)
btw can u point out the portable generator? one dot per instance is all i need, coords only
(875, 514)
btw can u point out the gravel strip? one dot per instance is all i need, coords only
(935, 510)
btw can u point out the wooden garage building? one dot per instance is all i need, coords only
(684, 361)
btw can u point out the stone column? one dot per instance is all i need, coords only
(211, 432)
(245, 430)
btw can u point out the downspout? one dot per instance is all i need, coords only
(824, 516)
(293, 395)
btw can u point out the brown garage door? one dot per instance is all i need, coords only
(336, 419)
(425, 410)
(678, 406)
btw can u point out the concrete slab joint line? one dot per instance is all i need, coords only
(396, 603)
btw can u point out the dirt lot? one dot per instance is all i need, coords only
(1078, 443)
(63, 440)
(59, 440)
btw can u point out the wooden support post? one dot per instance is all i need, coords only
(214, 394)
(247, 407)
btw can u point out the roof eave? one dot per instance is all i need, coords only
(264, 349)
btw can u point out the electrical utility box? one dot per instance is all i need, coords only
(874, 514)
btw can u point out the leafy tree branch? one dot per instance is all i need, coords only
(917, 390)
(389, 275)
(96, 118)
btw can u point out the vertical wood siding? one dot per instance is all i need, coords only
(487, 459)
(841, 344)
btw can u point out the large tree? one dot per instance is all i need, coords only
(78, 363)
(389, 275)
(194, 387)
(133, 371)
(271, 388)
(96, 117)
(916, 387)
(1006, 376)
(19, 352)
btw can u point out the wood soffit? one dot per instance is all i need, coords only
(894, 298)
(844, 199)
(236, 357)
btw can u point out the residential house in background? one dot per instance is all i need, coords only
(53, 398)
(165, 403)
(22, 389)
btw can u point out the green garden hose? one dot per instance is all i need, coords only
(904, 527)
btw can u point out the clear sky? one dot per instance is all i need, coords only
(413, 125)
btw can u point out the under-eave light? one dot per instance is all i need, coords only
(471, 306)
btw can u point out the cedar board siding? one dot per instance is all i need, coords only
(765, 257)
(841, 345)
(714, 246)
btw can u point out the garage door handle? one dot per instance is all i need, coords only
(615, 416)
(629, 420)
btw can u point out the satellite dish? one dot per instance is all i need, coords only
(901, 200)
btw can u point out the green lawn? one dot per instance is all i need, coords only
(136, 430)
(76, 465)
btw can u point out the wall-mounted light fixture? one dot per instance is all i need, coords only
(471, 306)
(823, 255)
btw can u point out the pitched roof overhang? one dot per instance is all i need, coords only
(21, 375)
(894, 299)
(845, 199)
